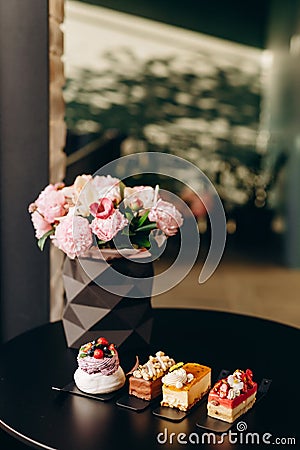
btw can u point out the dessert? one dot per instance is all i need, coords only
(185, 385)
(145, 382)
(232, 396)
(99, 370)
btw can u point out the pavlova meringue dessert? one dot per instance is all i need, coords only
(99, 370)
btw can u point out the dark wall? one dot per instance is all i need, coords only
(24, 162)
(244, 22)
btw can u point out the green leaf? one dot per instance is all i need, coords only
(143, 241)
(149, 227)
(142, 219)
(125, 232)
(122, 187)
(128, 215)
(42, 240)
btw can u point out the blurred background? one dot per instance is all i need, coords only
(215, 83)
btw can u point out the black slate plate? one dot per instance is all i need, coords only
(175, 415)
(134, 403)
(72, 389)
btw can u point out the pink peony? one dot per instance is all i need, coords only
(51, 203)
(139, 197)
(166, 216)
(107, 186)
(73, 235)
(41, 226)
(72, 192)
(106, 229)
(103, 209)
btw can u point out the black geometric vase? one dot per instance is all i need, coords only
(92, 311)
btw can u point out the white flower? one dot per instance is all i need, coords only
(235, 383)
(86, 197)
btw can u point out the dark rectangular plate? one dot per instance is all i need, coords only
(174, 414)
(219, 426)
(72, 389)
(134, 403)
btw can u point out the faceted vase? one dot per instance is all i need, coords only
(92, 310)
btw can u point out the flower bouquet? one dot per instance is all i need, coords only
(99, 216)
(94, 210)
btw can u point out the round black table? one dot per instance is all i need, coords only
(35, 361)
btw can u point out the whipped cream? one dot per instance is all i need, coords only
(236, 384)
(177, 378)
(105, 366)
(155, 367)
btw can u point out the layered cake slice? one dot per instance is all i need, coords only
(232, 396)
(99, 370)
(145, 382)
(185, 385)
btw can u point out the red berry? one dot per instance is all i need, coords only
(113, 349)
(249, 373)
(98, 353)
(102, 341)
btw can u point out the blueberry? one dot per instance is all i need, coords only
(90, 352)
(105, 349)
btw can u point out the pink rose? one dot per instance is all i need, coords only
(106, 229)
(41, 226)
(166, 216)
(103, 209)
(51, 203)
(107, 186)
(73, 235)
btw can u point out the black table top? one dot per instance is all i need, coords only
(34, 362)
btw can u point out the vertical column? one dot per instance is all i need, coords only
(57, 140)
(283, 117)
(24, 162)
